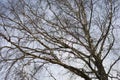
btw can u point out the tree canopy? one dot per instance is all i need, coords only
(79, 36)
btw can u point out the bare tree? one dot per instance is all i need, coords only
(78, 35)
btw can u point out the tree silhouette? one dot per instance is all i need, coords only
(79, 35)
